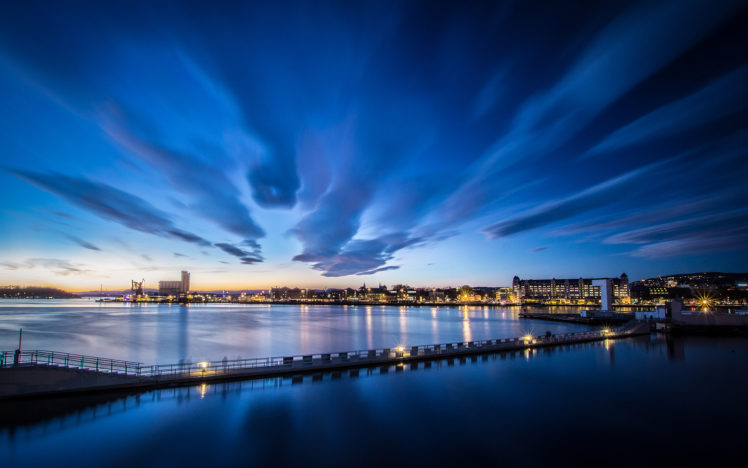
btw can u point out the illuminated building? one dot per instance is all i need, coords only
(568, 289)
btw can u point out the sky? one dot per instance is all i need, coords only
(327, 144)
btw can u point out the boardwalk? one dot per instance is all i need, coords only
(46, 372)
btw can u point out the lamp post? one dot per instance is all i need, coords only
(17, 354)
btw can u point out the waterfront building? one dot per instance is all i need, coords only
(579, 289)
(168, 288)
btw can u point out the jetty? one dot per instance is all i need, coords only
(585, 317)
(38, 373)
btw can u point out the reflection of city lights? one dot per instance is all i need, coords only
(203, 390)
(467, 333)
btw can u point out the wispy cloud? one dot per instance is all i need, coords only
(213, 195)
(245, 256)
(11, 265)
(598, 196)
(82, 243)
(59, 267)
(359, 256)
(110, 203)
(720, 98)
(690, 246)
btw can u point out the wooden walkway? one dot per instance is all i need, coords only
(37, 372)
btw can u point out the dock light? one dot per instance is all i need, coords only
(401, 349)
(527, 338)
(203, 364)
(606, 331)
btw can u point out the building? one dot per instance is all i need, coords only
(579, 289)
(171, 288)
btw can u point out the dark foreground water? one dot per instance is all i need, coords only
(639, 401)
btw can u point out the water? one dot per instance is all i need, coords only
(162, 334)
(649, 400)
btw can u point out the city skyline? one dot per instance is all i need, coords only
(384, 142)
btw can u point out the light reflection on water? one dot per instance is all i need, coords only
(172, 333)
(525, 408)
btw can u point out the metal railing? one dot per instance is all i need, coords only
(68, 360)
(373, 356)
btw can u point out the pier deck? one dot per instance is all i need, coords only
(614, 319)
(45, 373)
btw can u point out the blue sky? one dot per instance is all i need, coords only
(331, 143)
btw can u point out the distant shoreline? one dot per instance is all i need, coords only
(117, 300)
(111, 300)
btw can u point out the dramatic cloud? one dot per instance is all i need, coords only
(359, 257)
(689, 236)
(690, 246)
(593, 198)
(215, 197)
(110, 203)
(552, 118)
(722, 97)
(244, 256)
(366, 131)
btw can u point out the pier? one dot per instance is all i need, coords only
(593, 318)
(48, 373)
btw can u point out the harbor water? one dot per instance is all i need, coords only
(164, 334)
(651, 400)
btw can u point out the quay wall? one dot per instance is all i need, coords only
(27, 380)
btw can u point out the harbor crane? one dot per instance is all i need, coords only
(137, 287)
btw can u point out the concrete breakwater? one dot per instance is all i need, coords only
(46, 373)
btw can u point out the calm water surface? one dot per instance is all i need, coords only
(645, 401)
(160, 334)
